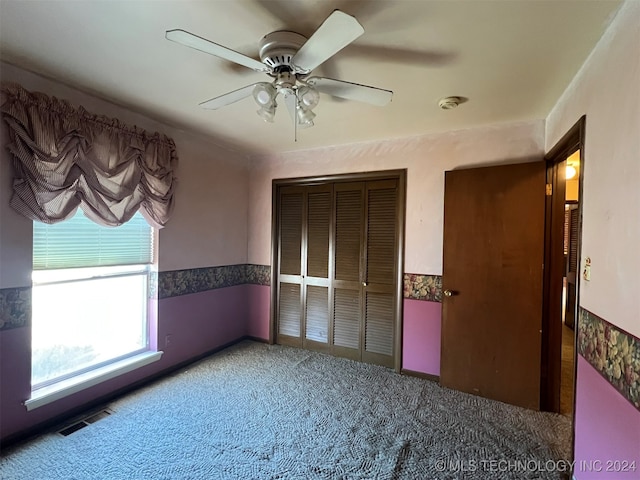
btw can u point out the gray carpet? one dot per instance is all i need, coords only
(259, 411)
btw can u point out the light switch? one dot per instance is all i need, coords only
(586, 273)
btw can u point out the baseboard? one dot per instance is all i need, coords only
(256, 339)
(54, 424)
(426, 376)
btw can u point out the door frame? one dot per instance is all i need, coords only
(401, 176)
(573, 140)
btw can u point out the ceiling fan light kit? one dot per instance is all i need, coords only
(308, 96)
(264, 94)
(289, 58)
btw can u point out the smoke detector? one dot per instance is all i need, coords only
(447, 103)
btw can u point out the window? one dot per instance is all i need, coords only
(90, 294)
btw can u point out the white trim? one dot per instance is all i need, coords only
(57, 391)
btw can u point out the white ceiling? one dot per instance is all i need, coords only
(512, 59)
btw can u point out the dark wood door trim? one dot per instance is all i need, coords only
(573, 140)
(554, 262)
(550, 366)
(401, 176)
(342, 177)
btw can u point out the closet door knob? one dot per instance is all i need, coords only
(364, 284)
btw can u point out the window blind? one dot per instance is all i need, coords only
(80, 242)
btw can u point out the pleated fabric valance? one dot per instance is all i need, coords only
(65, 157)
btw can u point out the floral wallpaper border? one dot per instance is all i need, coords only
(612, 352)
(423, 287)
(15, 307)
(194, 280)
(15, 303)
(258, 274)
(183, 282)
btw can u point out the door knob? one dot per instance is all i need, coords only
(364, 284)
(448, 293)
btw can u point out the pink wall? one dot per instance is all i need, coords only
(610, 231)
(16, 232)
(208, 226)
(611, 190)
(197, 323)
(15, 377)
(607, 429)
(421, 338)
(258, 315)
(425, 157)
(200, 322)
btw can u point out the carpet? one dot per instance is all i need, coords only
(256, 411)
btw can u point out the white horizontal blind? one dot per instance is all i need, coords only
(80, 242)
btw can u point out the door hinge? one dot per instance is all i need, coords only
(549, 190)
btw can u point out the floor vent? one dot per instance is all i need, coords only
(98, 416)
(85, 422)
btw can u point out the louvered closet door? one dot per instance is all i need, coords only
(380, 272)
(290, 301)
(316, 279)
(347, 276)
(337, 247)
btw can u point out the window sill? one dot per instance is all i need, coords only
(46, 395)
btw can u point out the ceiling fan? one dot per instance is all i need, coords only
(289, 58)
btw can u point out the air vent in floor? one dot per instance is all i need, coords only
(80, 424)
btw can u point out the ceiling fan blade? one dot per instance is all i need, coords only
(352, 91)
(198, 43)
(335, 33)
(229, 98)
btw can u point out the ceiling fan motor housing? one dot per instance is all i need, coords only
(277, 49)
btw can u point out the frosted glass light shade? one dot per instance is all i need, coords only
(308, 97)
(305, 117)
(267, 114)
(264, 94)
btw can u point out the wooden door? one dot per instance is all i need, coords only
(303, 275)
(379, 276)
(492, 268)
(290, 266)
(317, 251)
(348, 265)
(364, 284)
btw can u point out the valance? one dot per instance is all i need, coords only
(65, 157)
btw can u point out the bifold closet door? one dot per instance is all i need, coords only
(316, 284)
(348, 264)
(364, 278)
(291, 215)
(303, 280)
(337, 258)
(379, 276)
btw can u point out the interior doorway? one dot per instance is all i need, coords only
(571, 169)
(565, 167)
